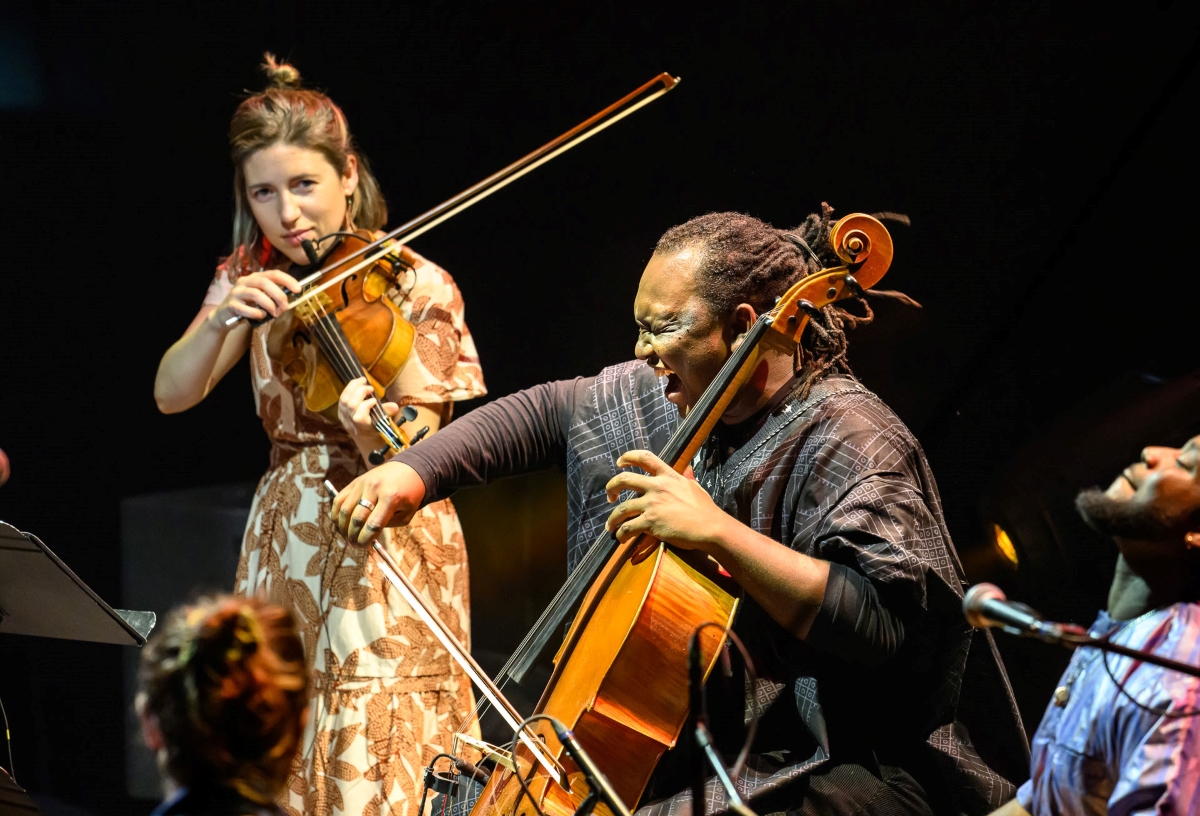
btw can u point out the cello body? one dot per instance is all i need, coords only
(623, 688)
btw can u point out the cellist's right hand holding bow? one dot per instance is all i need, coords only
(256, 297)
(388, 496)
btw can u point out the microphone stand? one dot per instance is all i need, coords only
(1074, 637)
(704, 740)
(985, 605)
(699, 708)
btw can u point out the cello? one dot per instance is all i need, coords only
(620, 679)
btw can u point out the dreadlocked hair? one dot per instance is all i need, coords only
(745, 260)
(225, 679)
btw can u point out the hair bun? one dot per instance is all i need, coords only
(279, 74)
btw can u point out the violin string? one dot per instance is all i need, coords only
(338, 347)
(333, 342)
(334, 351)
(353, 369)
(335, 346)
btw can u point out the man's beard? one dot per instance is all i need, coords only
(1124, 519)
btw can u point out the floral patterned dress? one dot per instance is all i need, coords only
(386, 697)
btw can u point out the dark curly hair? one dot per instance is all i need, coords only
(745, 260)
(226, 681)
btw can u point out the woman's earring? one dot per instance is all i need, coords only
(1192, 540)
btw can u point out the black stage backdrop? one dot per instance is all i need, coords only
(1045, 154)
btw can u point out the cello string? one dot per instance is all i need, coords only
(677, 446)
(594, 554)
(482, 706)
(598, 552)
(601, 549)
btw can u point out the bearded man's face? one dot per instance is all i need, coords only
(1151, 506)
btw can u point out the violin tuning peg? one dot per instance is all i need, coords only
(407, 414)
(378, 457)
(421, 434)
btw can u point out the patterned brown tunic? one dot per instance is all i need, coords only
(864, 715)
(386, 696)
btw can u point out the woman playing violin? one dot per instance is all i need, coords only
(385, 698)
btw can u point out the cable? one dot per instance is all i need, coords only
(430, 775)
(12, 770)
(752, 676)
(517, 764)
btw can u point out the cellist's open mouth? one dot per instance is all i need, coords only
(673, 387)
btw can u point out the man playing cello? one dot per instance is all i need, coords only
(876, 696)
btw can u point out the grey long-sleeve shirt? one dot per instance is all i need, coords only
(836, 476)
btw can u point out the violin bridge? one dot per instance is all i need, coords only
(314, 308)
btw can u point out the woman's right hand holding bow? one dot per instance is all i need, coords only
(256, 296)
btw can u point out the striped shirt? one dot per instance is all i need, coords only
(1101, 753)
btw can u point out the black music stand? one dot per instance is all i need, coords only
(14, 801)
(39, 595)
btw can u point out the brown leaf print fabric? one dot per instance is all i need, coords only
(386, 697)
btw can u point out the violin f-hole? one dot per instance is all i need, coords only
(345, 289)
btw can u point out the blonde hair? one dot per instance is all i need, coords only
(226, 681)
(285, 113)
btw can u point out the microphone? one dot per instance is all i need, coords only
(597, 781)
(986, 605)
(310, 250)
(472, 770)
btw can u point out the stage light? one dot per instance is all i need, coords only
(1004, 544)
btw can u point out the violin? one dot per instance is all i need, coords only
(312, 341)
(620, 677)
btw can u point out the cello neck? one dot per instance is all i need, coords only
(681, 448)
(678, 452)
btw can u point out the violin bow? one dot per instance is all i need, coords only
(396, 577)
(376, 250)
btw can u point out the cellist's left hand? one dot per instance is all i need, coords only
(671, 508)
